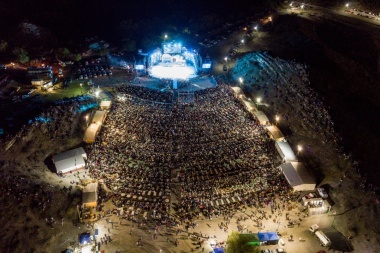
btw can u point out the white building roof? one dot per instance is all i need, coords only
(275, 133)
(261, 117)
(68, 154)
(69, 164)
(297, 175)
(285, 151)
(105, 105)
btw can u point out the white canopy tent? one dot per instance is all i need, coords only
(285, 151)
(238, 92)
(90, 195)
(297, 176)
(91, 133)
(261, 117)
(275, 133)
(248, 104)
(70, 160)
(99, 117)
(105, 105)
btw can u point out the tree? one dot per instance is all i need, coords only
(236, 243)
(64, 53)
(77, 57)
(3, 45)
(22, 55)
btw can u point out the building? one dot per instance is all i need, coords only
(40, 72)
(90, 195)
(274, 133)
(99, 117)
(285, 151)
(261, 118)
(91, 133)
(105, 105)
(69, 161)
(297, 176)
(238, 92)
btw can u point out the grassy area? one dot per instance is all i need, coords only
(73, 90)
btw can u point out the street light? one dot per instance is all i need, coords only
(242, 41)
(86, 117)
(299, 149)
(258, 100)
(277, 119)
(347, 5)
(256, 28)
(241, 80)
(97, 92)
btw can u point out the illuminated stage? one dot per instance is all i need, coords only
(173, 62)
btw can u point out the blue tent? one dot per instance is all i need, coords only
(269, 237)
(218, 250)
(84, 238)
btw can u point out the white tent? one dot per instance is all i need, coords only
(90, 195)
(91, 133)
(297, 176)
(238, 92)
(275, 133)
(70, 160)
(248, 104)
(285, 151)
(99, 117)
(105, 105)
(261, 117)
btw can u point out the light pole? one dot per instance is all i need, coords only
(97, 95)
(165, 37)
(277, 119)
(226, 60)
(299, 149)
(241, 81)
(81, 88)
(86, 117)
(258, 100)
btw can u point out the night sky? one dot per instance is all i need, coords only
(73, 18)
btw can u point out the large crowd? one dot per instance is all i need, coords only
(208, 157)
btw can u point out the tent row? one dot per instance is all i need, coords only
(250, 106)
(96, 122)
(295, 172)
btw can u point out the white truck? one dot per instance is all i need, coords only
(314, 228)
(323, 239)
